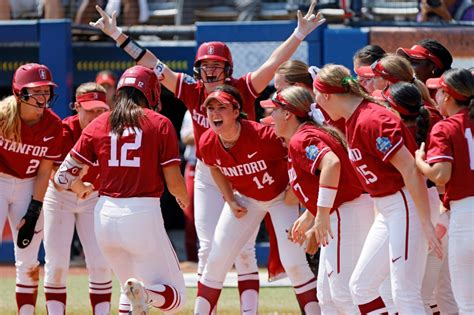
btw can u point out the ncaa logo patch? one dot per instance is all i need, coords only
(311, 152)
(188, 79)
(383, 144)
(42, 74)
(210, 50)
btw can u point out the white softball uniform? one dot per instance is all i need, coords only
(395, 244)
(62, 212)
(208, 205)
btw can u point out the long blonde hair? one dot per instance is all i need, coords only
(10, 120)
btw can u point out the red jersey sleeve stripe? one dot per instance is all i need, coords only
(318, 159)
(392, 150)
(439, 158)
(248, 80)
(80, 157)
(179, 83)
(171, 161)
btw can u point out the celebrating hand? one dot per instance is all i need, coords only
(106, 23)
(309, 22)
(300, 226)
(322, 228)
(420, 153)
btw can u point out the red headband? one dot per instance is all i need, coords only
(223, 97)
(280, 101)
(326, 88)
(91, 96)
(448, 89)
(399, 108)
(380, 71)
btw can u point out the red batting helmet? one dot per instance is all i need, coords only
(213, 51)
(31, 75)
(144, 80)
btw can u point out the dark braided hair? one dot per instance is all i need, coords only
(439, 51)
(409, 97)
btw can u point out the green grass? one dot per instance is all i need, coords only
(272, 300)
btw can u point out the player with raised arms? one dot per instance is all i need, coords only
(248, 163)
(381, 150)
(30, 140)
(137, 151)
(213, 67)
(449, 161)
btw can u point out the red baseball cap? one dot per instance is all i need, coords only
(365, 72)
(91, 100)
(105, 78)
(223, 98)
(420, 52)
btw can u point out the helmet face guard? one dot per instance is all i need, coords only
(213, 51)
(144, 80)
(33, 75)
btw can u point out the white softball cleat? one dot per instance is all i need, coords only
(135, 292)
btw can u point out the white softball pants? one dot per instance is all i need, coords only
(208, 205)
(461, 253)
(396, 245)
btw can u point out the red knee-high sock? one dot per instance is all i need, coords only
(249, 287)
(209, 294)
(100, 293)
(56, 297)
(375, 305)
(26, 295)
(306, 294)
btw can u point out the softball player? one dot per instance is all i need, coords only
(317, 160)
(64, 210)
(213, 67)
(247, 162)
(406, 99)
(449, 161)
(380, 150)
(137, 151)
(30, 140)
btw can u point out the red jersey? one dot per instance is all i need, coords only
(255, 166)
(193, 94)
(451, 140)
(338, 124)
(374, 134)
(39, 141)
(130, 165)
(306, 149)
(71, 133)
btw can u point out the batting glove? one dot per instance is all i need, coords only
(27, 230)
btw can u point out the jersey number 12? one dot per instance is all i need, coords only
(125, 148)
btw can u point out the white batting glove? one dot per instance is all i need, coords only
(107, 24)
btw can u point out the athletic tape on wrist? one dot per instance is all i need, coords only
(68, 172)
(326, 196)
(298, 34)
(133, 49)
(159, 69)
(116, 34)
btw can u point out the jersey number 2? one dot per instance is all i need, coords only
(123, 161)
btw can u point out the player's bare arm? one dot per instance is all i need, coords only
(404, 162)
(175, 183)
(226, 190)
(290, 197)
(439, 173)
(143, 57)
(330, 168)
(306, 24)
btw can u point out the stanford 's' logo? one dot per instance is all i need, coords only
(210, 50)
(42, 74)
